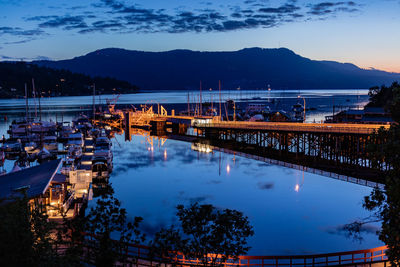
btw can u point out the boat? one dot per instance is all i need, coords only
(67, 166)
(82, 123)
(298, 111)
(11, 146)
(50, 143)
(19, 129)
(257, 117)
(45, 155)
(43, 127)
(100, 167)
(31, 147)
(74, 139)
(103, 149)
(65, 130)
(74, 152)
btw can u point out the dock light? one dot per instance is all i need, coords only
(228, 168)
(165, 154)
(152, 148)
(297, 188)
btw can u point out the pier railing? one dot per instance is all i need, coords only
(295, 127)
(140, 255)
(354, 258)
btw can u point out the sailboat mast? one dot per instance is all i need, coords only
(94, 101)
(26, 102)
(220, 109)
(34, 96)
(188, 104)
(201, 102)
(40, 107)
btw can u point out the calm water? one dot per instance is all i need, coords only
(151, 177)
(151, 180)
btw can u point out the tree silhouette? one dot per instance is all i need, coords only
(206, 233)
(384, 153)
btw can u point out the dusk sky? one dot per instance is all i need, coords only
(366, 33)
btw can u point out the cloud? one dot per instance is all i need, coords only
(17, 31)
(284, 9)
(66, 22)
(328, 8)
(117, 16)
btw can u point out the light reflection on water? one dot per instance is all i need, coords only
(292, 212)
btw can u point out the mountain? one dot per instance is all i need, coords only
(248, 68)
(53, 82)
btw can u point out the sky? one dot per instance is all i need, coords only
(365, 32)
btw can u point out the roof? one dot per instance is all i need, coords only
(36, 179)
(375, 110)
(59, 178)
(354, 112)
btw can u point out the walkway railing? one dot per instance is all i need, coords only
(296, 127)
(139, 255)
(354, 258)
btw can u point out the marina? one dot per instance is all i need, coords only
(135, 163)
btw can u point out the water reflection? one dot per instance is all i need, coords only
(152, 175)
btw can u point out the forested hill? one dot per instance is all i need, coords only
(251, 68)
(52, 82)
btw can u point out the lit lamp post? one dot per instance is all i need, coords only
(304, 107)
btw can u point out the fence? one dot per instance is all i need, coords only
(298, 127)
(139, 255)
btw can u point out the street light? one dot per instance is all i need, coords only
(304, 107)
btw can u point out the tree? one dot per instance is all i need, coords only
(27, 238)
(104, 222)
(206, 233)
(384, 204)
(382, 96)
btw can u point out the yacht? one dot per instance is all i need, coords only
(74, 139)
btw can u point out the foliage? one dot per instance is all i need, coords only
(385, 204)
(52, 82)
(206, 233)
(27, 237)
(384, 153)
(103, 221)
(382, 96)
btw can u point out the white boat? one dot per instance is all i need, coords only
(44, 155)
(19, 130)
(75, 139)
(65, 130)
(42, 127)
